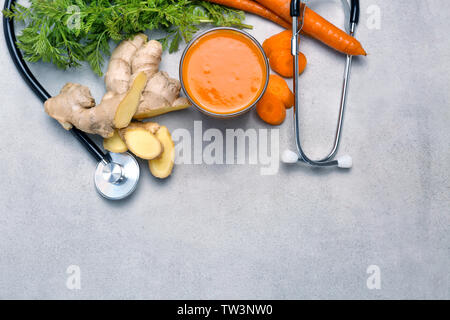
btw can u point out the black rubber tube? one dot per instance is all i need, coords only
(30, 79)
(354, 11)
(295, 8)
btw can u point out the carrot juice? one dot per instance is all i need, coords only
(224, 72)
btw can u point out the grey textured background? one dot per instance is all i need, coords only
(226, 231)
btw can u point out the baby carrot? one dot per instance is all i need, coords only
(282, 62)
(255, 8)
(279, 41)
(278, 86)
(278, 51)
(271, 109)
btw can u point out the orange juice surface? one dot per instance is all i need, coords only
(224, 72)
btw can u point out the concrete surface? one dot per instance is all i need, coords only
(226, 231)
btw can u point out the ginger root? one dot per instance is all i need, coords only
(134, 87)
(161, 95)
(75, 106)
(153, 127)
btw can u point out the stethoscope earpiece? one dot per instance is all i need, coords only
(289, 157)
(345, 161)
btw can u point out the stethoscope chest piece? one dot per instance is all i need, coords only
(117, 178)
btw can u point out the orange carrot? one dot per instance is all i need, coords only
(255, 8)
(278, 86)
(271, 109)
(282, 62)
(278, 50)
(320, 29)
(280, 41)
(281, 7)
(317, 27)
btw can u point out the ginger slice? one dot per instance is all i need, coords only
(162, 166)
(115, 143)
(142, 143)
(129, 104)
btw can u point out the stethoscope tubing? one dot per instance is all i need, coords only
(297, 11)
(38, 89)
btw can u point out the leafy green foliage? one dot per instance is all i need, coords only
(68, 32)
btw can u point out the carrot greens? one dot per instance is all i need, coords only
(70, 32)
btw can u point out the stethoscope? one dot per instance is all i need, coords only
(288, 156)
(116, 175)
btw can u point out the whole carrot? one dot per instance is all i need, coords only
(317, 27)
(281, 7)
(255, 8)
(323, 30)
